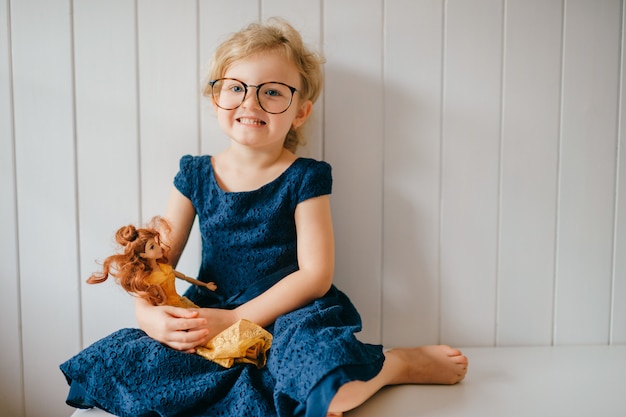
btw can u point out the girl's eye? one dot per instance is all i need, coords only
(236, 89)
(272, 93)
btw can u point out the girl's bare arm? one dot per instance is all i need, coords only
(316, 260)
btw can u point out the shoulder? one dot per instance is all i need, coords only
(191, 162)
(314, 178)
(310, 166)
(192, 170)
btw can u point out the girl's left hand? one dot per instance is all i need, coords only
(216, 320)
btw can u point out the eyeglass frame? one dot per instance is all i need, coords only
(245, 94)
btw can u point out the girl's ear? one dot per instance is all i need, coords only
(303, 113)
(142, 255)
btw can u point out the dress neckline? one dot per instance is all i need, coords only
(275, 180)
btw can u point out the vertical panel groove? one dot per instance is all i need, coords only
(500, 170)
(444, 40)
(322, 114)
(200, 80)
(76, 188)
(558, 185)
(381, 287)
(444, 28)
(617, 180)
(138, 112)
(16, 230)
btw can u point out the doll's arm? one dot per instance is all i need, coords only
(210, 285)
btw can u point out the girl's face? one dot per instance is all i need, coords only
(152, 250)
(249, 124)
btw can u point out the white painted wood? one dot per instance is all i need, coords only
(353, 135)
(470, 170)
(47, 219)
(306, 17)
(530, 140)
(11, 388)
(108, 153)
(517, 382)
(168, 97)
(618, 317)
(412, 143)
(587, 171)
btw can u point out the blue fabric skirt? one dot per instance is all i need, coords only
(313, 353)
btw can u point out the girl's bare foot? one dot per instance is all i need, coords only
(435, 364)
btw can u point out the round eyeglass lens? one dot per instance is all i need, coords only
(272, 97)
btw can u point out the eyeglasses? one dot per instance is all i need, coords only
(273, 97)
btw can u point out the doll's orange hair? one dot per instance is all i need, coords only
(129, 268)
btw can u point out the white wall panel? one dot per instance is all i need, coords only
(168, 102)
(471, 150)
(168, 88)
(353, 135)
(412, 142)
(587, 171)
(530, 134)
(108, 152)
(47, 218)
(11, 388)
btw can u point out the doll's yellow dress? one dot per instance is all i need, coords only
(243, 342)
(166, 279)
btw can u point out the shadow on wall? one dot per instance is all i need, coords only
(385, 204)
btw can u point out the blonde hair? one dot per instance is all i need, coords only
(274, 36)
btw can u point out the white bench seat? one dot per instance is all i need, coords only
(512, 382)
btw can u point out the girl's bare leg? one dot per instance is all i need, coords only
(438, 364)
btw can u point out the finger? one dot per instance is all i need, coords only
(183, 313)
(187, 341)
(186, 325)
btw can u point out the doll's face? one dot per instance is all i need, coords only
(152, 250)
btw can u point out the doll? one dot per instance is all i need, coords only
(142, 270)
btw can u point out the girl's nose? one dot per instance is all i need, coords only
(250, 101)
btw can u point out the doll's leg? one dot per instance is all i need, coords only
(437, 364)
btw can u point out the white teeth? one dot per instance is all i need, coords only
(245, 121)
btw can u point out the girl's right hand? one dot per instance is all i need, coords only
(171, 325)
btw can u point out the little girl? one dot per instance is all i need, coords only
(267, 243)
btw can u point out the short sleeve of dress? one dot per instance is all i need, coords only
(316, 181)
(184, 179)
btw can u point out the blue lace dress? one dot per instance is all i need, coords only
(248, 244)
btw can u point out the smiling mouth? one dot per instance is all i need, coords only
(251, 122)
